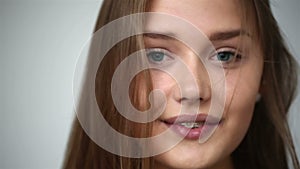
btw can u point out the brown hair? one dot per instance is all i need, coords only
(268, 138)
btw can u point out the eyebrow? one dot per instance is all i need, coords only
(164, 36)
(226, 35)
(217, 36)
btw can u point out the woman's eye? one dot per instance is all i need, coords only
(227, 58)
(158, 56)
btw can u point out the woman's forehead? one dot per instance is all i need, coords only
(207, 15)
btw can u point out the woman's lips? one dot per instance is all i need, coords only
(191, 126)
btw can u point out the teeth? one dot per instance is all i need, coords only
(192, 125)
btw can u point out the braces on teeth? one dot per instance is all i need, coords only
(192, 125)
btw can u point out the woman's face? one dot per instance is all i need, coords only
(220, 21)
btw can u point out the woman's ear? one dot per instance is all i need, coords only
(258, 97)
(261, 89)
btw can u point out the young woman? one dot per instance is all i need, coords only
(260, 78)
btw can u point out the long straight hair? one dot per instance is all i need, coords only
(268, 139)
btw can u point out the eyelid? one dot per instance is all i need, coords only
(164, 51)
(229, 49)
(235, 51)
(169, 57)
(237, 56)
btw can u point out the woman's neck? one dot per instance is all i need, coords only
(227, 163)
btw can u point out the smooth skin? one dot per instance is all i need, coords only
(243, 78)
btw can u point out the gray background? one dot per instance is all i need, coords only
(39, 44)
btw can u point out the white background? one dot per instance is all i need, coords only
(39, 43)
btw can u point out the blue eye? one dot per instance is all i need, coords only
(156, 56)
(159, 56)
(225, 56)
(228, 57)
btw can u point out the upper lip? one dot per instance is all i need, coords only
(208, 119)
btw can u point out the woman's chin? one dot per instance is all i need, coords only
(187, 154)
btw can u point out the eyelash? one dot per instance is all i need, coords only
(165, 54)
(235, 57)
(161, 57)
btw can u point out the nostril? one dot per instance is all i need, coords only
(190, 99)
(191, 94)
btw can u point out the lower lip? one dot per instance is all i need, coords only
(188, 133)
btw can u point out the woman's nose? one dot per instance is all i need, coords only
(193, 88)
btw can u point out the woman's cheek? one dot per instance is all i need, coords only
(162, 81)
(241, 94)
